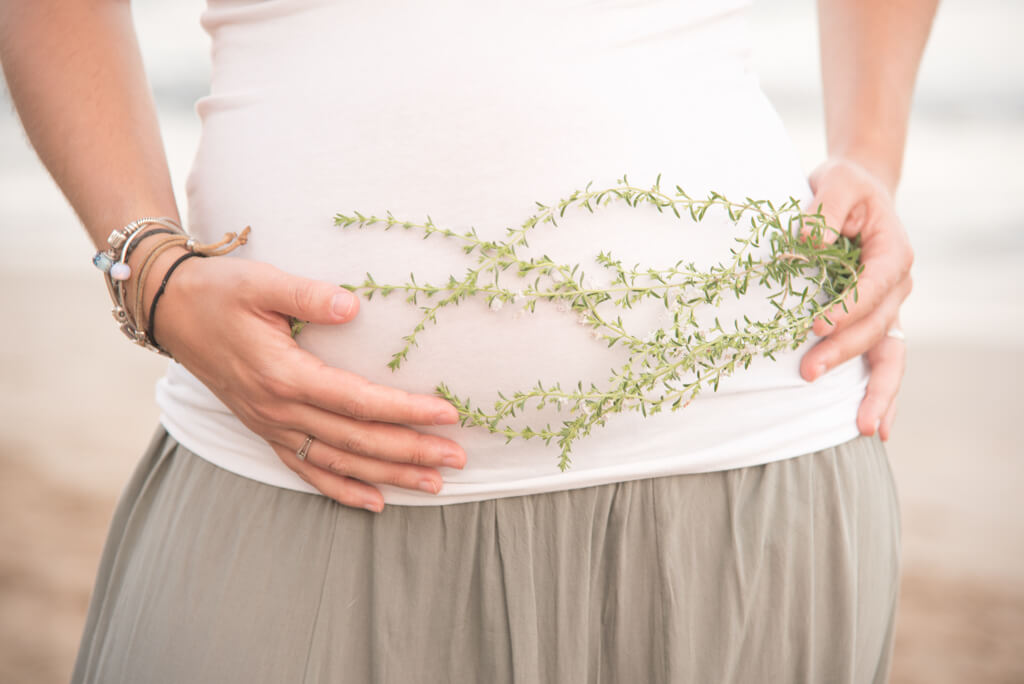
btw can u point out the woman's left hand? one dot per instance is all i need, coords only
(856, 202)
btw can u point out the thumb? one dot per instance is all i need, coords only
(309, 300)
(838, 203)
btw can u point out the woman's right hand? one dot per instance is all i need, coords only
(226, 320)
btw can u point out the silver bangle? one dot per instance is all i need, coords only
(116, 271)
(126, 248)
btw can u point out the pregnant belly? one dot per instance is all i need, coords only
(481, 350)
(290, 185)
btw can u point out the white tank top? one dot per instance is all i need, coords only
(469, 112)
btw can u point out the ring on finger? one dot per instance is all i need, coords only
(303, 451)
(897, 334)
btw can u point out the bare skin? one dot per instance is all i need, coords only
(860, 205)
(870, 54)
(76, 77)
(77, 80)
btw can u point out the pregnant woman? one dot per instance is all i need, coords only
(306, 514)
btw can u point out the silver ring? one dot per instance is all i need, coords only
(304, 449)
(897, 334)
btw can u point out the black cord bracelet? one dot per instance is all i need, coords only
(159, 293)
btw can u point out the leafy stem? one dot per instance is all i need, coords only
(667, 367)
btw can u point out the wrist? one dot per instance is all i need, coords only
(153, 276)
(138, 265)
(878, 165)
(167, 289)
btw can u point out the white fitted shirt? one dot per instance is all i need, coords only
(470, 112)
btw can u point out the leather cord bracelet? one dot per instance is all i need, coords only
(227, 244)
(149, 233)
(160, 293)
(133, 241)
(139, 239)
(147, 265)
(113, 263)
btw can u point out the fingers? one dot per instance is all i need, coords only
(306, 299)
(885, 429)
(880, 277)
(346, 476)
(842, 214)
(310, 380)
(855, 337)
(340, 391)
(857, 203)
(368, 469)
(877, 410)
(392, 443)
(841, 197)
(348, 453)
(344, 490)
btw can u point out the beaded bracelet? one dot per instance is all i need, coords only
(129, 247)
(113, 264)
(116, 270)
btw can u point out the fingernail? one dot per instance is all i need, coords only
(429, 486)
(373, 506)
(443, 418)
(342, 304)
(819, 370)
(452, 460)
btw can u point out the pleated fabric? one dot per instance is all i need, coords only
(784, 572)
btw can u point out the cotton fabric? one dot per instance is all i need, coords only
(469, 112)
(783, 572)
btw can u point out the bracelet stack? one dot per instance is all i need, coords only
(113, 262)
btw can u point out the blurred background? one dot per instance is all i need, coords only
(66, 372)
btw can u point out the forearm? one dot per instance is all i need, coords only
(870, 52)
(76, 78)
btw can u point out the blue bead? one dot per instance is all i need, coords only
(102, 261)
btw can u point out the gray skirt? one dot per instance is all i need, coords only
(784, 572)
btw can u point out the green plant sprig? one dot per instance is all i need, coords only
(668, 366)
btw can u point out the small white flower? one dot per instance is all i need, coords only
(519, 297)
(496, 304)
(649, 337)
(582, 320)
(596, 334)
